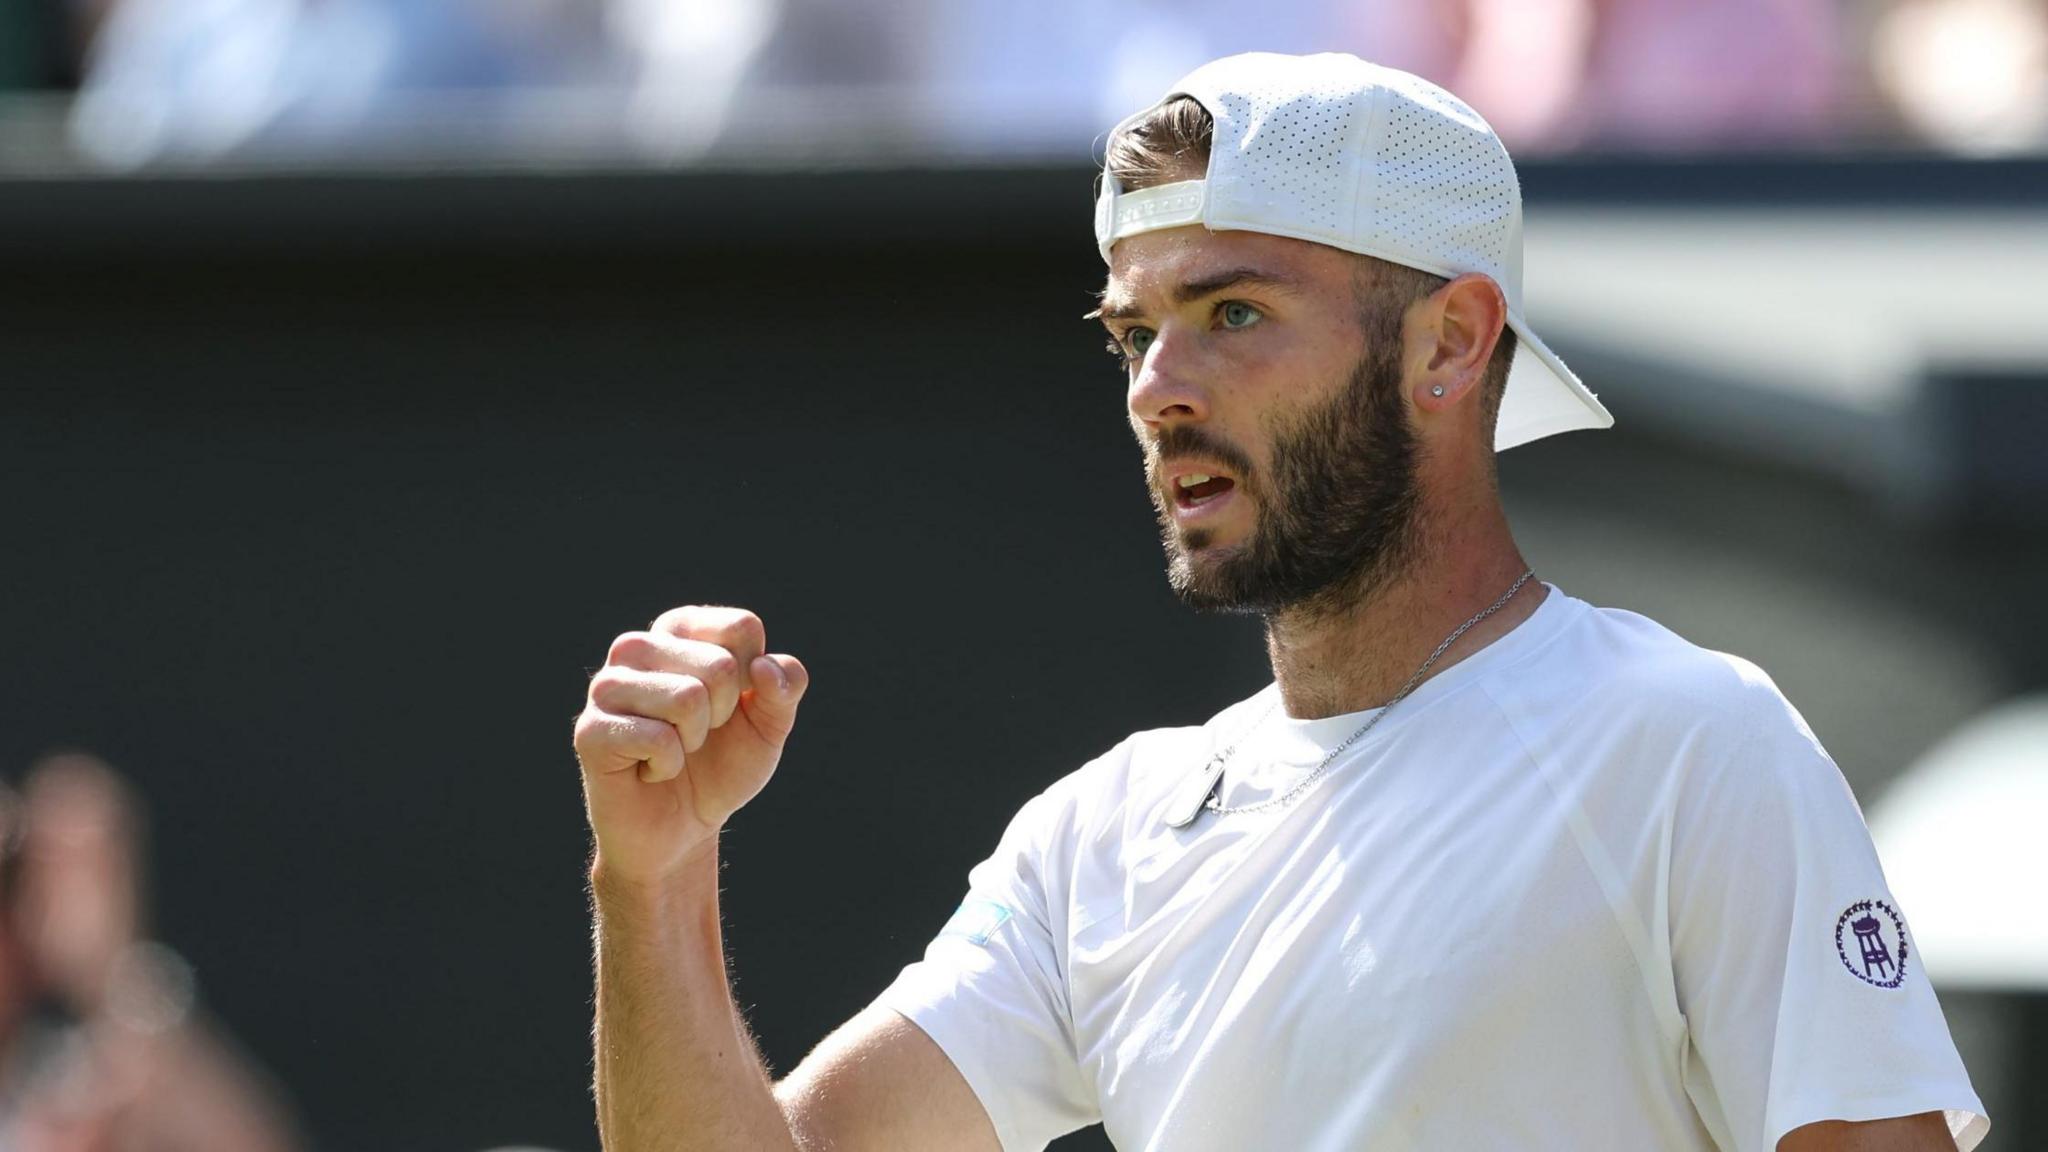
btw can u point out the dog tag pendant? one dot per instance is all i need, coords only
(1192, 802)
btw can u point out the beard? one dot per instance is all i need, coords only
(1338, 519)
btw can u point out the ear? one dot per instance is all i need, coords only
(1462, 323)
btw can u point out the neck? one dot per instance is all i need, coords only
(1356, 655)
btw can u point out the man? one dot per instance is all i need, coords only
(1485, 867)
(101, 1045)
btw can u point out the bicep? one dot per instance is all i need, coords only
(1926, 1132)
(879, 1082)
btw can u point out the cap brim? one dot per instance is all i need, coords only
(1543, 397)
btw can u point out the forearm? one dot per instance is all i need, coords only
(676, 1069)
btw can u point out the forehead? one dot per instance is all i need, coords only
(1152, 264)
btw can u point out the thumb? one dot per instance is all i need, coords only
(778, 685)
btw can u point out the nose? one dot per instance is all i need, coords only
(1168, 386)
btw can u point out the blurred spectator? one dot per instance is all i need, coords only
(1042, 77)
(1968, 75)
(1623, 75)
(197, 79)
(1548, 74)
(1734, 74)
(839, 45)
(683, 64)
(101, 1049)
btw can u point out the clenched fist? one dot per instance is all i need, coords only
(684, 724)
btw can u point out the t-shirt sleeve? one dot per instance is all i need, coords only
(991, 992)
(1802, 988)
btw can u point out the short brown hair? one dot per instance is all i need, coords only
(1171, 142)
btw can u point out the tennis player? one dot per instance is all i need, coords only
(1485, 867)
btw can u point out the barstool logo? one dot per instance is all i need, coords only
(1871, 940)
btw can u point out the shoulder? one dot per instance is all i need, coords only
(1635, 671)
(1617, 704)
(1667, 745)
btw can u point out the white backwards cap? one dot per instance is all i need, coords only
(1332, 149)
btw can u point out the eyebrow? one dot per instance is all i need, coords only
(1189, 291)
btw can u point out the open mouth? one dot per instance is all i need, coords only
(1195, 489)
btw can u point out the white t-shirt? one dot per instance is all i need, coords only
(1590, 888)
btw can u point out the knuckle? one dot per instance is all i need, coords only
(728, 627)
(746, 629)
(691, 694)
(606, 686)
(661, 737)
(722, 667)
(631, 648)
(675, 621)
(597, 731)
(689, 737)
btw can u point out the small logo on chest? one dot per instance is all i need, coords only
(1870, 937)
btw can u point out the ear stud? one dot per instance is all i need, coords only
(1437, 391)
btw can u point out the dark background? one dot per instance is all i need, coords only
(325, 496)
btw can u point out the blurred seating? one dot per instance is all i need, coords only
(201, 81)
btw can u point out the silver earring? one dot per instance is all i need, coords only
(1437, 391)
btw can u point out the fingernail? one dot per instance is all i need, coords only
(781, 677)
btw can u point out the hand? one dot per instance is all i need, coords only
(684, 724)
(77, 902)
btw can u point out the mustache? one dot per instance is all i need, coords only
(1188, 440)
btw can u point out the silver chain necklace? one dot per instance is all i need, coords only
(1210, 798)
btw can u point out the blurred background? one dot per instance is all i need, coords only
(367, 365)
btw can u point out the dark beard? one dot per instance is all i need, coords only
(1337, 522)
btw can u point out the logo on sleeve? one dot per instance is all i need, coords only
(976, 920)
(1871, 940)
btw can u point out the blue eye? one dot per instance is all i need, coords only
(1238, 314)
(1137, 340)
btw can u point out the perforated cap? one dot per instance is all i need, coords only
(1332, 149)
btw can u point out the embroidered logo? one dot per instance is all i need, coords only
(976, 921)
(1870, 938)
